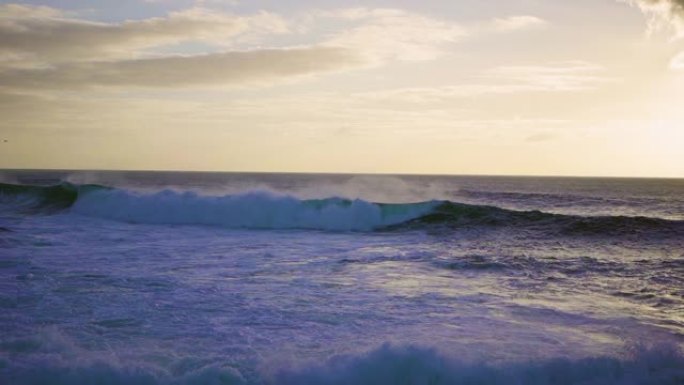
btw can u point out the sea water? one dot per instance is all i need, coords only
(219, 278)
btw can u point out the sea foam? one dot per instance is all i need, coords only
(387, 365)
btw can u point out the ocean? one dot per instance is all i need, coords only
(238, 278)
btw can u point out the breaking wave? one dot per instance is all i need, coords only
(38, 198)
(408, 365)
(267, 210)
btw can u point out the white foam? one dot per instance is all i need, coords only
(415, 365)
(384, 366)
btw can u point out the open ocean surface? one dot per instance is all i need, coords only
(221, 278)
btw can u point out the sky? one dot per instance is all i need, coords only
(496, 87)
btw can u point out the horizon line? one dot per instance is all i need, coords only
(343, 173)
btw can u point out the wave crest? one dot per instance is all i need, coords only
(254, 210)
(267, 210)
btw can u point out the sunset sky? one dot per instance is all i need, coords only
(522, 87)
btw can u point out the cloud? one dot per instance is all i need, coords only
(665, 14)
(46, 35)
(393, 34)
(670, 12)
(43, 35)
(229, 68)
(573, 76)
(45, 48)
(19, 11)
(515, 23)
(541, 137)
(677, 63)
(564, 76)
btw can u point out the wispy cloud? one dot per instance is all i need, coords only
(230, 68)
(47, 35)
(393, 34)
(43, 47)
(541, 137)
(573, 76)
(515, 23)
(677, 63)
(564, 76)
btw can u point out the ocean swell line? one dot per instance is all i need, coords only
(268, 210)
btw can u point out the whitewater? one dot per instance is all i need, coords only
(220, 278)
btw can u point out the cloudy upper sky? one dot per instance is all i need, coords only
(524, 87)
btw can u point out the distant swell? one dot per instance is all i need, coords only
(266, 210)
(460, 215)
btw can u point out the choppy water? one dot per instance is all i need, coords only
(195, 278)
